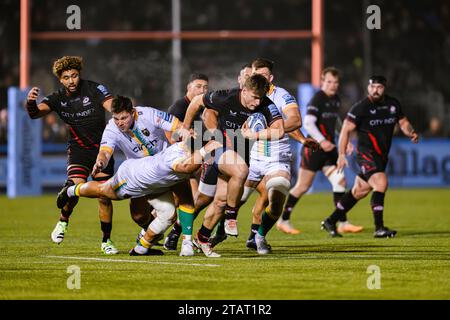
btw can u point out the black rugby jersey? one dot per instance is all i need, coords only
(375, 123)
(179, 108)
(232, 114)
(326, 110)
(82, 111)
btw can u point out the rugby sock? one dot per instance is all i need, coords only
(143, 246)
(253, 231)
(231, 212)
(74, 191)
(267, 222)
(290, 203)
(377, 204)
(342, 207)
(65, 215)
(106, 229)
(177, 227)
(204, 234)
(337, 196)
(186, 216)
(221, 227)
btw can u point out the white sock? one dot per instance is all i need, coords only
(71, 191)
(188, 238)
(140, 249)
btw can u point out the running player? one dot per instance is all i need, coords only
(321, 119)
(374, 119)
(81, 104)
(232, 108)
(270, 163)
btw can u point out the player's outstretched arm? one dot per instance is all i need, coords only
(102, 161)
(193, 163)
(34, 110)
(408, 129)
(310, 143)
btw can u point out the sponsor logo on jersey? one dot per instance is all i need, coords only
(392, 109)
(103, 89)
(164, 116)
(379, 122)
(86, 101)
(274, 110)
(289, 99)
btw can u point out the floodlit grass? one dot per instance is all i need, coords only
(414, 265)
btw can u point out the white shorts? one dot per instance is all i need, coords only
(260, 168)
(126, 186)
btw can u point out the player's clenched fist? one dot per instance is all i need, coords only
(33, 94)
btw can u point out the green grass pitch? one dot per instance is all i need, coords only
(414, 265)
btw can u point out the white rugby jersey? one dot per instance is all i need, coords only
(151, 175)
(145, 138)
(277, 149)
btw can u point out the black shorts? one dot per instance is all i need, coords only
(315, 161)
(80, 163)
(370, 162)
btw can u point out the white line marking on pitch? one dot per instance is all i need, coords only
(135, 261)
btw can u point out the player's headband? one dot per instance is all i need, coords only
(378, 79)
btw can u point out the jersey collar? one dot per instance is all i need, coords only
(271, 89)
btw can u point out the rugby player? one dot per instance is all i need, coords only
(155, 177)
(322, 116)
(81, 104)
(138, 132)
(232, 108)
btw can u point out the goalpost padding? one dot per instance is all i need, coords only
(24, 148)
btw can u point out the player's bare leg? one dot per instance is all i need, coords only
(304, 182)
(67, 207)
(234, 167)
(379, 184)
(214, 213)
(360, 190)
(277, 185)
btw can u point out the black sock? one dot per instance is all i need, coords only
(253, 231)
(377, 204)
(65, 215)
(343, 206)
(337, 196)
(177, 228)
(290, 204)
(106, 229)
(204, 234)
(221, 226)
(231, 212)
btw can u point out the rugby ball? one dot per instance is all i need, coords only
(257, 122)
